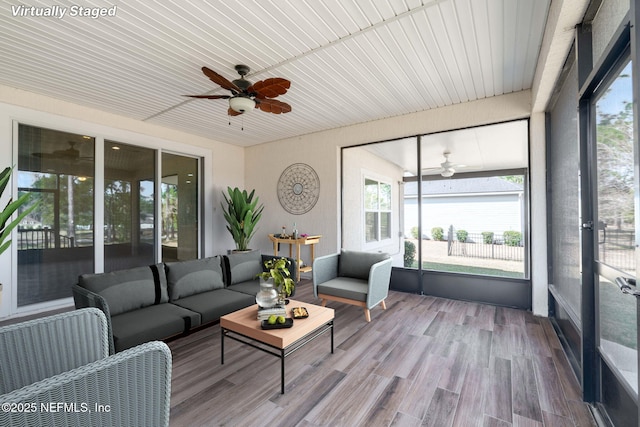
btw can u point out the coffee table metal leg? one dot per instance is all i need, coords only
(282, 371)
(222, 331)
(332, 337)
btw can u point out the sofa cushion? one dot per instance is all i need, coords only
(151, 323)
(213, 304)
(243, 266)
(186, 278)
(130, 289)
(249, 287)
(345, 287)
(357, 264)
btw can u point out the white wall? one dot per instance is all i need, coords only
(359, 163)
(223, 163)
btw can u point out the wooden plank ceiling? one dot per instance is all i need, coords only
(348, 61)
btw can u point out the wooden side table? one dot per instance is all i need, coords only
(307, 240)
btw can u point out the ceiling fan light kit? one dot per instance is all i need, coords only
(241, 104)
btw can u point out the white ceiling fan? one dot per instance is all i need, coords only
(447, 168)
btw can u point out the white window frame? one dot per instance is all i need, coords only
(379, 240)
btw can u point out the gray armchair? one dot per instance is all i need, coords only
(353, 277)
(56, 371)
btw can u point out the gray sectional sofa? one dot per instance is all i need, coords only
(163, 300)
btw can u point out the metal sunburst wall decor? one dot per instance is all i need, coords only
(298, 188)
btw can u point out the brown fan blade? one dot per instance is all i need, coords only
(273, 106)
(270, 88)
(209, 96)
(232, 112)
(219, 80)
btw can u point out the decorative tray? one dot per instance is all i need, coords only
(287, 324)
(299, 313)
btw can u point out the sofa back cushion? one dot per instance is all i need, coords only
(356, 264)
(243, 266)
(191, 277)
(130, 289)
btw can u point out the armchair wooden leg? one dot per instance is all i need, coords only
(367, 314)
(323, 302)
(383, 305)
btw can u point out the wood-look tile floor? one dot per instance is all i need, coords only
(423, 361)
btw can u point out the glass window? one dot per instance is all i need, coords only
(377, 201)
(55, 241)
(179, 200)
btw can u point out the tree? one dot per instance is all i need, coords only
(614, 132)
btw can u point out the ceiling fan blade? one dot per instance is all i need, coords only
(232, 112)
(270, 88)
(219, 80)
(209, 96)
(273, 106)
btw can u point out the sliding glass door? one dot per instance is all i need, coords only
(98, 213)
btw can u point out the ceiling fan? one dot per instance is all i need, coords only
(245, 96)
(70, 154)
(447, 168)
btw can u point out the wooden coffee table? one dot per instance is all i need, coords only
(243, 326)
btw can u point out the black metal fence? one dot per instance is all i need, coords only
(494, 246)
(43, 238)
(617, 248)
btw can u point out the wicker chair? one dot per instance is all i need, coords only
(56, 371)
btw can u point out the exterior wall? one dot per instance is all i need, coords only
(358, 164)
(223, 163)
(473, 213)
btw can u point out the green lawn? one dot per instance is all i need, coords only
(457, 268)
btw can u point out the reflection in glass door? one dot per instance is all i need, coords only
(616, 248)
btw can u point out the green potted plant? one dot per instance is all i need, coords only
(278, 270)
(242, 213)
(10, 208)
